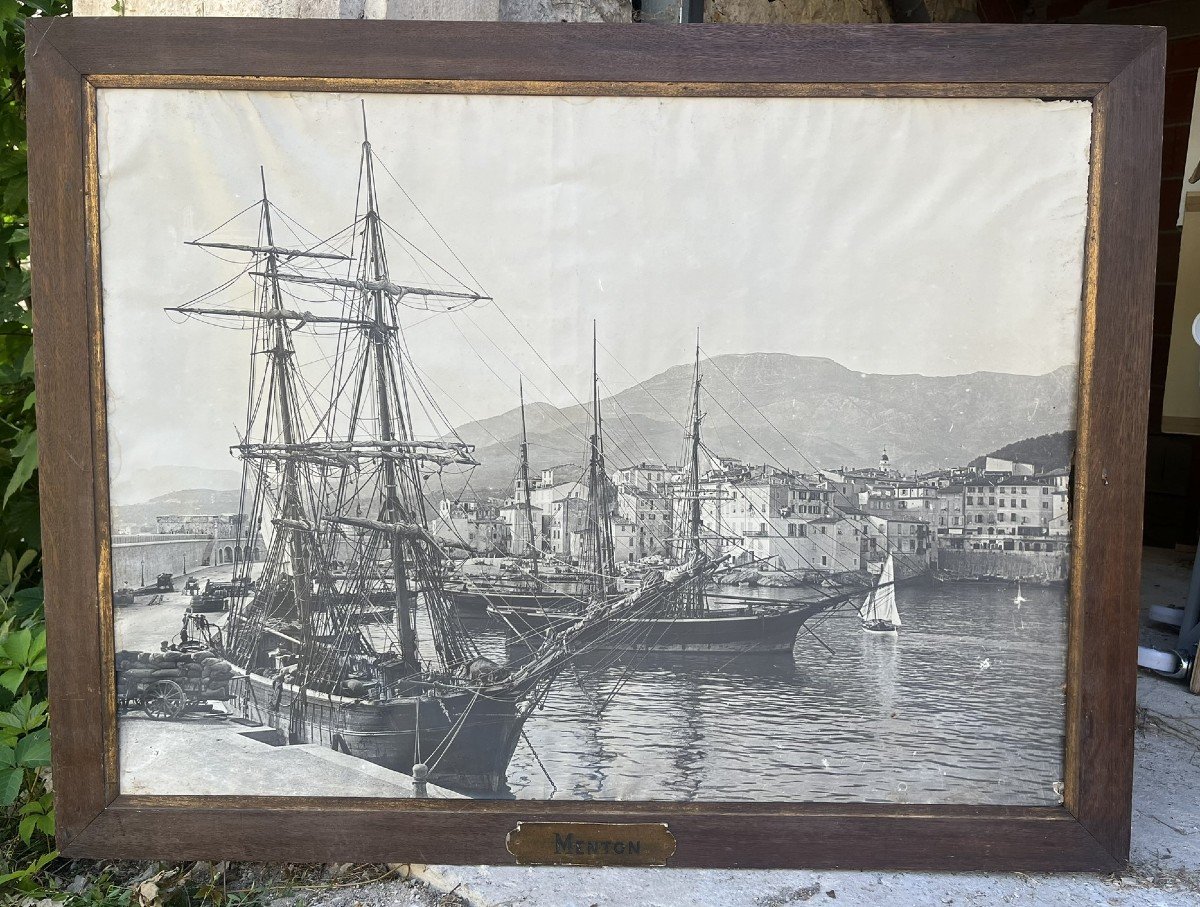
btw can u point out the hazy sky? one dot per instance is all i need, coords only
(901, 235)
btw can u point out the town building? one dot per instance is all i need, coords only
(524, 527)
(951, 511)
(556, 485)
(477, 525)
(774, 518)
(644, 498)
(998, 466)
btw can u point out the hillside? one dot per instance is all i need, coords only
(804, 412)
(193, 501)
(1052, 451)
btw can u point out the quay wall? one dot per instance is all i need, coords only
(1014, 565)
(176, 554)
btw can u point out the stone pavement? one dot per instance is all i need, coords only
(209, 755)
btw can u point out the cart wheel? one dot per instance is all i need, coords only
(164, 699)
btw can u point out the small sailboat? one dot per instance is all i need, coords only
(879, 614)
(1020, 599)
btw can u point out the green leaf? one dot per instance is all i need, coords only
(10, 784)
(12, 678)
(16, 646)
(24, 715)
(24, 561)
(33, 750)
(35, 655)
(29, 871)
(18, 713)
(25, 466)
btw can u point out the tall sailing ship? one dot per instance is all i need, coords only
(691, 619)
(333, 477)
(533, 588)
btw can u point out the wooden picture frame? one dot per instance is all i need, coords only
(1119, 69)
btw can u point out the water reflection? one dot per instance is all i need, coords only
(964, 705)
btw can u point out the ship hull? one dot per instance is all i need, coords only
(477, 601)
(467, 740)
(880, 626)
(733, 633)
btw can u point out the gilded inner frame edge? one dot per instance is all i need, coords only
(1091, 91)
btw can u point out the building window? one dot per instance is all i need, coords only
(1024, 503)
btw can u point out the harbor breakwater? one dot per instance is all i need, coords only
(1035, 566)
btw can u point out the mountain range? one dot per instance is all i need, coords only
(798, 411)
(801, 412)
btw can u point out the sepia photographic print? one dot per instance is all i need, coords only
(560, 447)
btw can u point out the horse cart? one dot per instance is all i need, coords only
(162, 698)
(168, 684)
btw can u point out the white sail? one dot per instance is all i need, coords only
(881, 603)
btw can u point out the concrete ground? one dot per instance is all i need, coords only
(1164, 870)
(153, 619)
(210, 755)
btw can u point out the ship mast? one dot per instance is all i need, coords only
(600, 540)
(392, 512)
(292, 509)
(533, 548)
(346, 491)
(695, 602)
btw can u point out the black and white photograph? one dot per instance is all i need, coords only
(554, 447)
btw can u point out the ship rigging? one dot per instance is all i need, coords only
(333, 470)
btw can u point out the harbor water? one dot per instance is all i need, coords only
(965, 705)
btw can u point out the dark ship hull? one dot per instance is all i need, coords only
(483, 599)
(466, 738)
(739, 631)
(477, 601)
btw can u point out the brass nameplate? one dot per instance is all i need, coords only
(591, 843)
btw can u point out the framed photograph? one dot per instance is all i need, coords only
(701, 446)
